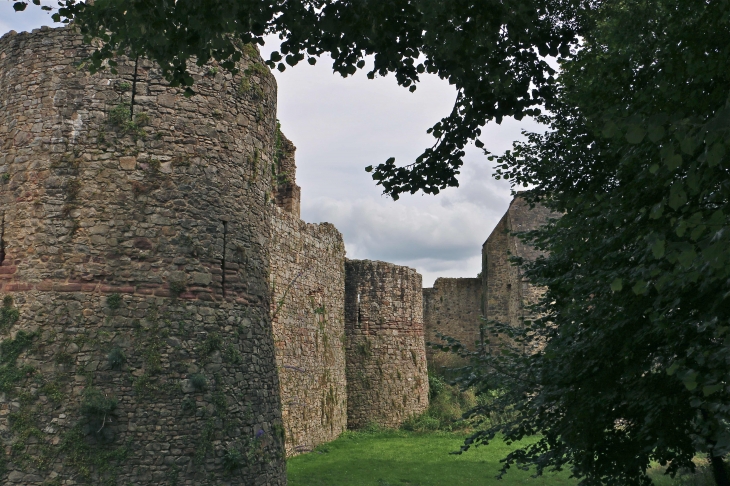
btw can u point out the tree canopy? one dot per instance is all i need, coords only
(636, 311)
(493, 52)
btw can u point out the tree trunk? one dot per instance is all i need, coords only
(719, 471)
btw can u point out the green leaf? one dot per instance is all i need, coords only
(657, 249)
(654, 168)
(617, 285)
(656, 133)
(635, 134)
(673, 161)
(677, 196)
(610, 130)
(715, 154)
(690, 380)
(640, 287)
(673, 368)
(708, 390)
(19, 6)
(689, 144)
(687, 257)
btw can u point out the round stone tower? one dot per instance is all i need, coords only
(136, 342)
(387, 380)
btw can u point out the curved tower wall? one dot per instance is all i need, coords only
(137, 257)
(387, 380)
(308, 290)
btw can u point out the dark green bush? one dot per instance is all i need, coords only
(198, 381)
(96, 411)
(116, 358)
(114, 301)
(212, 343)
(233, 459)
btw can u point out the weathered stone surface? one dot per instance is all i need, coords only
(308, 285)
(85, 227)
(506, 291)
(452, 308)
(128, 163)
(387, 379)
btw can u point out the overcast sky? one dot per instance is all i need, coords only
(339, 127)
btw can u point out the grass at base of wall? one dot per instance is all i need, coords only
(405, 458)
(402, 458)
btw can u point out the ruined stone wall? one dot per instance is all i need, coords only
(453, 308)
(308, 290)
(288, 193)
(387, 380)
(506, 290)
(136, 347)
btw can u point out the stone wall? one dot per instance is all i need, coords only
(308, 288)
(387, 380)
(136, 345)
(288, 193)
(506, 291)
(453, 308)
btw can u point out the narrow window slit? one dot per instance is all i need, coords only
(2, 239)
(223, 259)
(134, 89)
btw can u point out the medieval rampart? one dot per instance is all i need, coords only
(506, 291)
(452, 308)
(136, 345)
(387, 380)
(308, 290)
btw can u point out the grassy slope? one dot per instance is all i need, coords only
(397, 458)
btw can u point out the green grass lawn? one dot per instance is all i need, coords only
(398, 458)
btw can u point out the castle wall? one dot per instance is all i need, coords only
(288, 193)
(506, 291)
(136, 253)
(453, 308)
(387, 380)
(308, 289)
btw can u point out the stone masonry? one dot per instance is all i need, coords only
(452, 308)
(136, 334)
(387, 380)
(308, 290)
(166, 316)
(506, 292)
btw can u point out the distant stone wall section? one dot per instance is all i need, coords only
(288, 193)
(136, 259)
(387, 379)
(452, 308)
(506, 291)
(308, 290)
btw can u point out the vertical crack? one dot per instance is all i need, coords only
(359, 312)
(134, 89)
(223, 259)
(2, 239)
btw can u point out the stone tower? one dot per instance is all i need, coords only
(136, 335)
(387, 380)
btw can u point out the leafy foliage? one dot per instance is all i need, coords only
(492, 52)
(635, 314)
(9, 315)
(97, 409)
